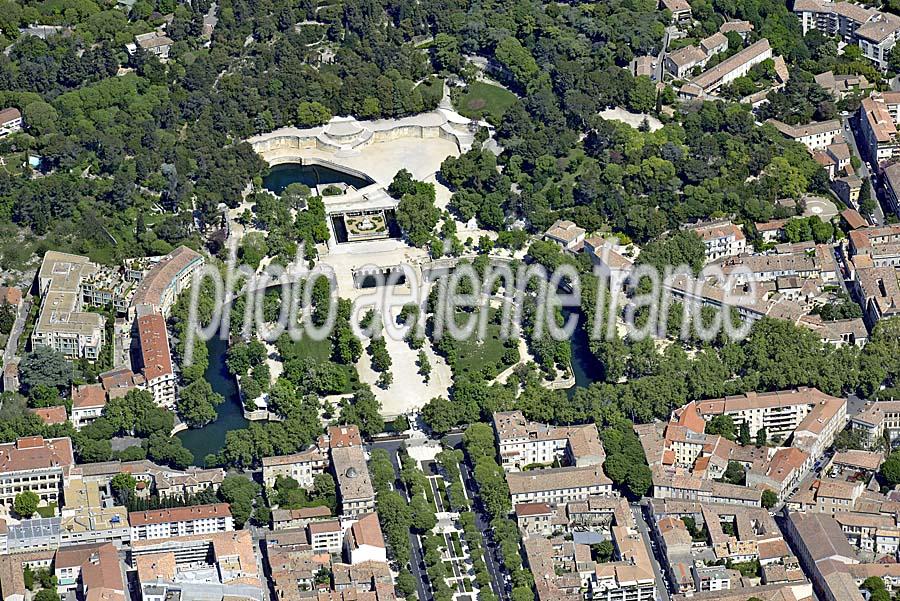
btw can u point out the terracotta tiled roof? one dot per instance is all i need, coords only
(34, 453)
(154, 342)
(152, 288)
(51, 415)
(9, 114)
(854, 219)
(367, 531)
(178, 514)
(88, 395)
(528, 509)
(344, 436)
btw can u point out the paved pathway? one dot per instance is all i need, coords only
(12, 343)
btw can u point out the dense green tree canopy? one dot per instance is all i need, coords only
(47, 367)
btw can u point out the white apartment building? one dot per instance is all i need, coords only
(326, 536)
(88, 402)
(873, 31)
(807, 410)
(876, 533)
(710, 578)
(721, 238)
(156, 359)
(878, 118)
(558, 486)
(815, 136)
(63, 324)
(634, 579)
(302, 467)
(36, 464)
(878, 420)
(180, 521)
(160, 287)
(522, 443)
(10, 121)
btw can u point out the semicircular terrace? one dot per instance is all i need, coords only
(346, 134)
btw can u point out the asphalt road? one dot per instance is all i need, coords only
(851, 132)
(658, 71)
(855, 405)
(661, 582)
(417, 561)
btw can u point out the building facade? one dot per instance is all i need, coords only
(180, 521)
(36, 464)
(302, 467)
(156, 359)
(63, 324)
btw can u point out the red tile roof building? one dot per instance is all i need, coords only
(36, 464)
(156, 359)
(88, 401)
(365, 541)
(165, 280)
(95, 569)
(51, 416)
(344, 436)
(118, 382)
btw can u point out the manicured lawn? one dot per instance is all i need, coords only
(429, 496)
(320, 352)
(483, 100)
(47, 512)
(307, 348)
(479, 356)
(443, 490)
(457, 545)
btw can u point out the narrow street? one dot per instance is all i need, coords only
(850, 133)
(12, 341)
(662, 587)
(658, 71)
